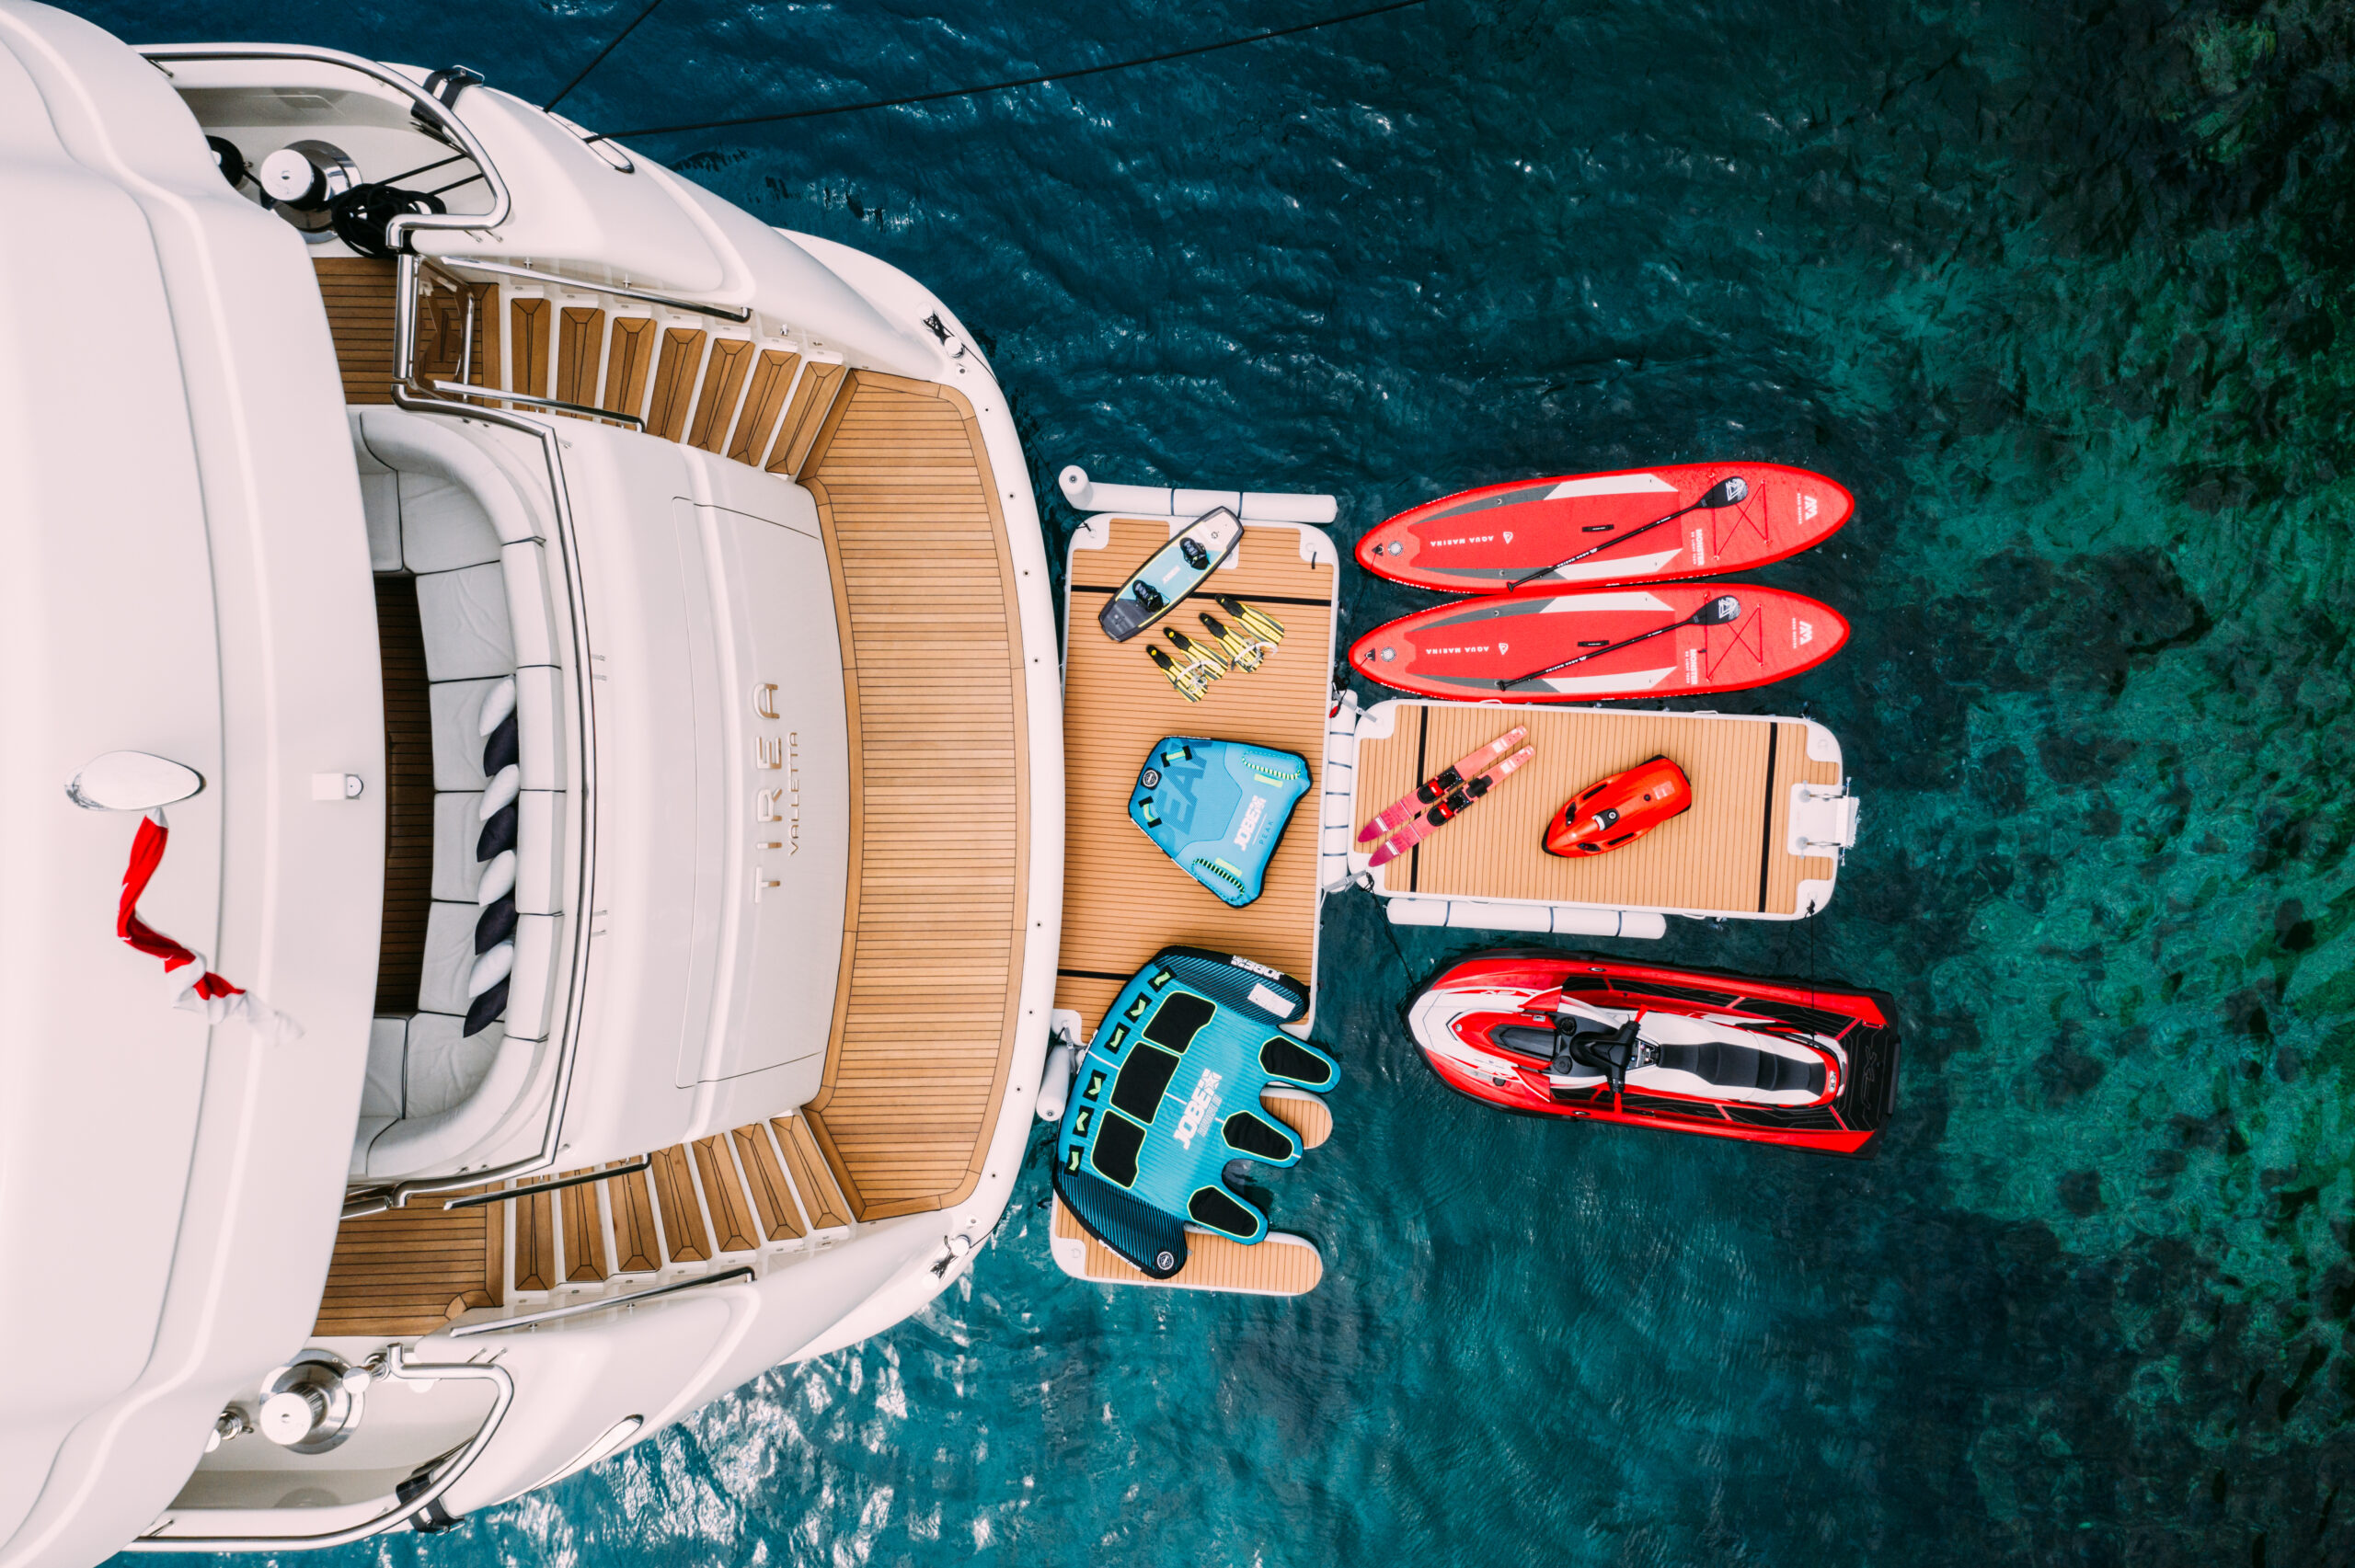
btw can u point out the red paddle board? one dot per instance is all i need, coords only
(1465, 649)
(1480, 540)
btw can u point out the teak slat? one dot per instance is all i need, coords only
(674, 382)
(723, 384)
(584, 1232)
(638, 1249)
(764, 401)
(580, 354)
(771, 1194)
(531, 340)
(687, 1238)
(534, 1242)
(731, 1210)
(628, 358)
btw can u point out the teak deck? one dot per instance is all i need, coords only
(1726, 855)
(1123, 899)
(940, 821)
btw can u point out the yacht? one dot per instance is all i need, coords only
(535, 815)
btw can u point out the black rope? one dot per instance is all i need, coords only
(1008, 85)
(422, 168)
(601, 55)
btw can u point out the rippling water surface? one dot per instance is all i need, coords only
(2055, 290)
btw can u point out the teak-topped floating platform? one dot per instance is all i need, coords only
(1732, 854)
(1123, 899)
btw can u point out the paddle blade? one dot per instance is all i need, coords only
(1724, 493)
(1719, 611)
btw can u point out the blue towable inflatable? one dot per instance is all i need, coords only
(1217, 807)
(1168, 1093)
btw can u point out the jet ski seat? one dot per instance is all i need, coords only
(1743, 1067)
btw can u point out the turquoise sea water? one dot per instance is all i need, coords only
(2055, 290)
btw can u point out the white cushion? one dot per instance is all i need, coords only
(539, 853)
(457, 825)
(446, 1067)
(443, 525)
(464, 614)
(449, 960)
(380, 1094)
(539, 726)
(439, 1142)
(529, 985)
(380, 504)
(434, 447)
(531, 620)
(456, 707)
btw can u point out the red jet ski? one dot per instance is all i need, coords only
(1644, 525)
(1579, 1036)
(1617, 811)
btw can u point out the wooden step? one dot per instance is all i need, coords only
(813, 1178)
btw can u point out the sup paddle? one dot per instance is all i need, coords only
(1724, 493)
(1716, 612)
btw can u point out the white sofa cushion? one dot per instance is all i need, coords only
(446, 1066)
(507, 493)
(380, 1093)
(539, 852)
(532, 618)
(456, 708)
(529, 985)
(539, 726)
(456, 825)
(463, 615)
(443, 525)
(438, 1141)
(380, 505)
(449, 960)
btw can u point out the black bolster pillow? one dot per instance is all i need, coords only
(495, 924)
(500, 749)
(483, 1009)
(498, 834)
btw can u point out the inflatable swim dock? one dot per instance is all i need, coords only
(1124, 899)
(1771, 816)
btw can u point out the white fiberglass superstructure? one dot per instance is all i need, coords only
(609, 645)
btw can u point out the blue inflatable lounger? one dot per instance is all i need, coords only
(1168, 1093)
(1217, 807)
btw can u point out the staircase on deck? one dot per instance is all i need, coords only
(759, 1191)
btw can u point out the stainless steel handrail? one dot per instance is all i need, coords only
(581, 1309)
(397, 232)
(396, 1364)
(725, 313)
(508, 1195)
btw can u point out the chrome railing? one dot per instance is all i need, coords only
(605, 1304)
(442, 1478)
